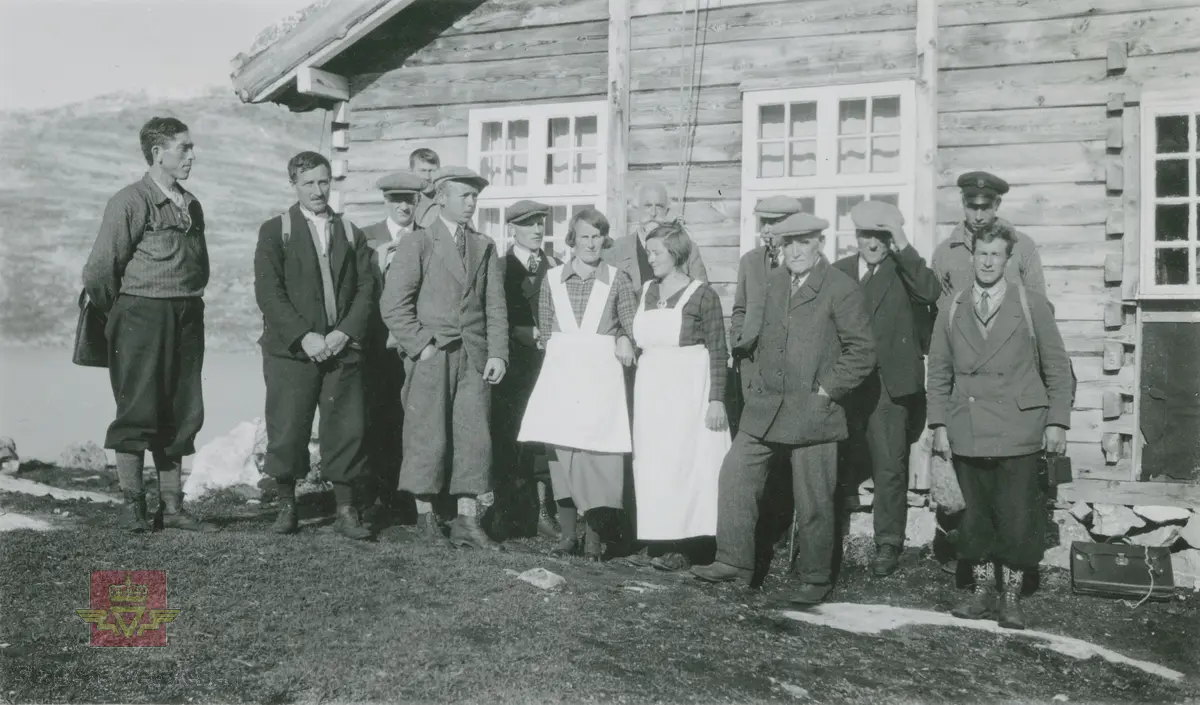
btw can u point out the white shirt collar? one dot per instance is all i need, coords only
(863, 267)
(995, 293)
(451, 226)
(319, 218)
(523, 253)
(396, 230)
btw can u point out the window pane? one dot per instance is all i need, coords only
(560, 133)
(585, 168)
(1171, 222)
(844, 206)
(803, 159)
(489, 168)
(770, 122)
(804, 120)
(516, 170)
(1171, 266)
(518, 136)
(892, 198)
(852, 117)
(489, 222)
(1171, 178)
(770, 160)
(885, 154)
(1172, 133)
(885, 114)
(852, 155)
(491, 136)
(585, 131)
(808, 205)
(557, 168)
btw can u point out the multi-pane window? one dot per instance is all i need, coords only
(831, 147)
(554, 154)
(1170, 196)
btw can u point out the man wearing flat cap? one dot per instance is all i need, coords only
(952, 260)
(814, 349)
(443, 300)
(898, 288)
(384, 368)
(522, 472)
(628, 254)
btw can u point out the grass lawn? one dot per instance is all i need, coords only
(314, 617)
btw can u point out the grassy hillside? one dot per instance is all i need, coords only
(62, 165)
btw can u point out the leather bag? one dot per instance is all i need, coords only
(91, 344)
(1120, 570)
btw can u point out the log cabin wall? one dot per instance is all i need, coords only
(501, 52)
(778, 44)
(1044, 93)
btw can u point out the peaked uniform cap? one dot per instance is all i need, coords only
(459, 173)
(524, 209)
(799, 224)
(981, 183)
(777, 205)
(876, 215)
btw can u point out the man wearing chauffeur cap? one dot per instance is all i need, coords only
(952, 260)
(444, 303)
(384, 368)
(521, 471)
(814, 349)
(898, 288)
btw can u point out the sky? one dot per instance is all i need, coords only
(54, 52)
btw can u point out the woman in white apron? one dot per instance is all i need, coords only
(578, 406)
(681, 431)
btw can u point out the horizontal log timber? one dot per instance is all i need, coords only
(1087, 460)
(322, 84)
(734, 62)
(1083, 282)
(711, 104)
(1044, 41)
(1023, 164)
(566, 77)
(497, 16)
(427, 121)
(1171, 494)
(640, 8)
(1062, 84)
(777, 20)
(709, 143)
(391, 155)
(971, 12)
(1051, 204)
(714, 181)
(1022, 126)
(518, 43)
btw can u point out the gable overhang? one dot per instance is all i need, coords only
(268, 75)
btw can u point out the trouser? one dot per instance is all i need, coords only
(879, 426)
(383, 379)
(156, 356)
(1004, 519)
(295, 389)
(447, 442)
(814, 483)
(516, 467)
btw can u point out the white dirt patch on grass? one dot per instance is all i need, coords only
(38, 489)
(12, 521)
(875, 619)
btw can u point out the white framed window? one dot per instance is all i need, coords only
(831, 147)
(1170, 195)
(554, 153)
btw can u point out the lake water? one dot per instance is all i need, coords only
(46, 402)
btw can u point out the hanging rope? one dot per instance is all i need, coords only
(687, 92)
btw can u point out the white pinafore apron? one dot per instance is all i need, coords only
(579, 398)
(676, 458)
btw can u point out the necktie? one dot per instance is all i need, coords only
(796, 282)
(870, 271)
(984, 307)
(534, 263)
(460, 241)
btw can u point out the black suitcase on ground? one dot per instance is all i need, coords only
(1120, 570)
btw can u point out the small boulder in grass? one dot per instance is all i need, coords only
(1162, 536)
(84, 456)
(1191, 531)
(542, 578)
(1162, 515)
(10, 463)
(1081, 511)
(1114, 520)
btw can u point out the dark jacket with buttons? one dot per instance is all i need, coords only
(818, 336)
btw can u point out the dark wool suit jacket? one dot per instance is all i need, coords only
(431, 295)
(623, 256)
(901, 281)
(988, 392)
(745, 319)
(817, 337)
(288, 288)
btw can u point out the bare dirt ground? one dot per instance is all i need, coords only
(313, 617)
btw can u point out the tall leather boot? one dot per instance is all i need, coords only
(568, 541)
(593, 544)
(134, 519)
(549, 526)
(170, 495)
(465, 529)
(348, 522)
(1012, 616)
(982, 602)
(287, 520)
(133, 488)
(430, 531)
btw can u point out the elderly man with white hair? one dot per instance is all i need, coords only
(629, 253)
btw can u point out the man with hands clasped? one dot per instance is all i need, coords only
(999, 393)
(314, 285)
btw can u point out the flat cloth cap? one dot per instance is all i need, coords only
(981, 183)
(523, 210)
(461, 174)
(876, 215)
(798, 224)
(777, 205)
(403, 182)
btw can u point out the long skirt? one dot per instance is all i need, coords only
(589, 479)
